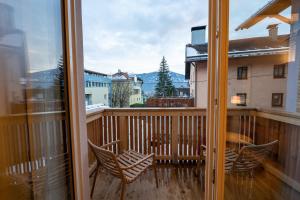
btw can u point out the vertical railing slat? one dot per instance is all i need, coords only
(145, 147)
(174, 137)
(158, 136)
(180, 135)
(163, 134)
(131, 132)
(140, 134)
(167, 135)
(149, 134)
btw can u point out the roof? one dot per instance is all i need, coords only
(94, 72)
(120, 75)
(271, 9)
(256, 46)
(196, 28)
(246, 47)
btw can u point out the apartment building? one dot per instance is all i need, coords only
(97, 88)
(257, 70)
(128, 84)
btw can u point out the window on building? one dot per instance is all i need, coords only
(88, 99)
(279, 71)
(242, 72)
(242, 99)
(105, 96)
(136, 91)
(277, 99)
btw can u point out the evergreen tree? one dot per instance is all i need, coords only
(164, 86)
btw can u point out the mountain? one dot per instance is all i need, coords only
(150, 80)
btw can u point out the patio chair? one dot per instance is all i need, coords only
(127, 166)
(248, 158)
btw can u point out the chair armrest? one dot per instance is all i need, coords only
(110, 144)
(139, 162)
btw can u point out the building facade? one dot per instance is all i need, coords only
(97, 88)
(257, 72)
(126, 90)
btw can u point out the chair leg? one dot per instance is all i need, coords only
(197, 170)
(155, 174)
(123, 190)
(94, 181)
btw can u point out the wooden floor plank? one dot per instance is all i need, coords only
(179, 182)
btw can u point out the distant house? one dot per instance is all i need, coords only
(137, 94)
(97, 88)
(257, 71)
(135, 85)
(182, 91)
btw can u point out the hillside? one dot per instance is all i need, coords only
(150, 80)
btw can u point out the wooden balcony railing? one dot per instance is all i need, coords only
(29, 142)
(175, 134)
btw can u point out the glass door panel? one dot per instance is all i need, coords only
(35, 157)
(262, 158)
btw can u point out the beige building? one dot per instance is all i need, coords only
(136, 96)
(257, 71)
(128, 84)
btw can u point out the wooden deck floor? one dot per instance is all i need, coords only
(180, 183)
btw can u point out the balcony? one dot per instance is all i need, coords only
(175, 134)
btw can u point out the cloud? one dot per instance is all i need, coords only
(133, 35)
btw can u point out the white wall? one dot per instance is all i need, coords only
(98, 94)
(259, 86)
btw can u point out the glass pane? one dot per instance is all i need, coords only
(144, 59)
(263, 130)
(34, 135)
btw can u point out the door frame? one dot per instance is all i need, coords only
(75, 74)
(217, 97)
(217, 65)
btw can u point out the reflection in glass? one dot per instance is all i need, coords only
(34, 141)
(262, 157)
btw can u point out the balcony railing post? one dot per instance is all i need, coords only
(123, 130)
(174, 138)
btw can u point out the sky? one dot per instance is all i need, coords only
(134, 35)
(42, 35)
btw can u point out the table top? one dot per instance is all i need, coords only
(238, 138)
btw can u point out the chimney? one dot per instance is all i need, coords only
(7, 23)
(273, 31)
(198, 35)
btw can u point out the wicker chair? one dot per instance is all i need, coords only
(127, 166)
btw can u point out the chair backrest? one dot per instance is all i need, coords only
(107, 159)
(252, 156)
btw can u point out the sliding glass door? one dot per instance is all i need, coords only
(262, 138)
(35, 156)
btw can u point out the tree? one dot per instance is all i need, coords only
(121, 91)
(59, 79)
(164, 86)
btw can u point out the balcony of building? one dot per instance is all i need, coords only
(175, 135)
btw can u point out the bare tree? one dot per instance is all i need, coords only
(121, 91)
